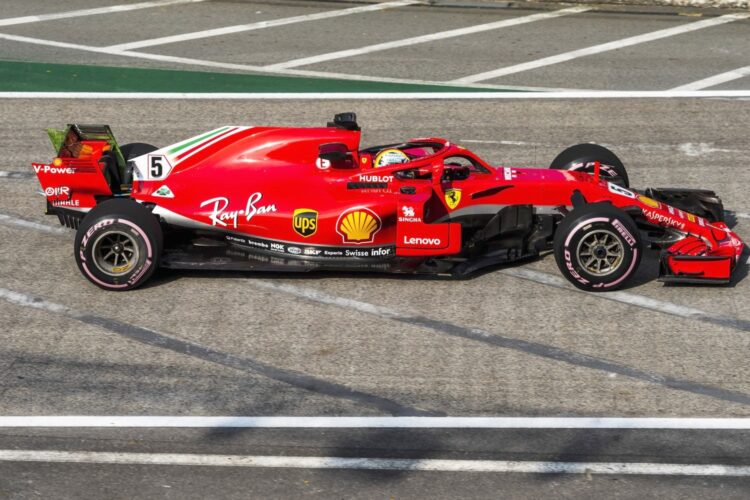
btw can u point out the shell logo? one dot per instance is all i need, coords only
(358, 225)
(648, 201)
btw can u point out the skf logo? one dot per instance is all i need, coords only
(453, 198)
(305, 222)
(358, 225)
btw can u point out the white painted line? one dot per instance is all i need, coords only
(91, 12)
(313, 96)
(117, 421)
(504, 143)
(712, 81)
(260, 461)
(407, 42)
(620, 296)
(248, 67)
(28, 224)
(261, 25)
(605, 47)
(743, 216)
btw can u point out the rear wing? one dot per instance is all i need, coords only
(88, 166)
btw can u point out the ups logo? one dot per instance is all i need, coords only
(305, 222)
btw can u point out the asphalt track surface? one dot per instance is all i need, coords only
(510, 342)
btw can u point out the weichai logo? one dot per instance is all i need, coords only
(305, 221)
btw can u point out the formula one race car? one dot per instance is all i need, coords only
(299, 199)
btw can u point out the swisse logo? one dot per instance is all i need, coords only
(49, 169)
(294, 250)
(413, 240)
(57, 191)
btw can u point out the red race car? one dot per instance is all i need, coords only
(300, 199)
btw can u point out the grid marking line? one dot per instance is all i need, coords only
(251, 68)
(505, 23)
(598, 49)
(91, 12)
(240, 28)
(362, 422)
(712, 81)
(161, 340)
(316, 96)
(401, 464)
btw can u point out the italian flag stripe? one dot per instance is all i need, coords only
(207, 143)
(189, 143)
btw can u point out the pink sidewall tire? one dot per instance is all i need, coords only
(118, 245)
(598, 247)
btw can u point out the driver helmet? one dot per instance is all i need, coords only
(390, 157)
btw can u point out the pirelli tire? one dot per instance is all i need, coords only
(583, 157)
(118, 245)
(598, 247)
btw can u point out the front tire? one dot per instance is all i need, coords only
(118, 245)
(582, 158)
(597, 247)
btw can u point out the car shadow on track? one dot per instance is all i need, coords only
(648, 271)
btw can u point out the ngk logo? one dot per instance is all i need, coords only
(57, 191)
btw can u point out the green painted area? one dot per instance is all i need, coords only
(18, 76)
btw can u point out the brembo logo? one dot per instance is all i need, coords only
(49, 169)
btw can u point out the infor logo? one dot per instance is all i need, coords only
(305, 222)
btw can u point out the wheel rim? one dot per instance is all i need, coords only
(600, 252)
(115, 253)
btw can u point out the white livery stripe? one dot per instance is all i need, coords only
(259, 461)
(260, 25)
(505, 23)
(384, 422)
(598, 49)
(90, 12)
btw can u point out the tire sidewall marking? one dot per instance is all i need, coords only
(628, 241)
(139, 270)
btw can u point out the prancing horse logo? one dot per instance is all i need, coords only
(453, 198)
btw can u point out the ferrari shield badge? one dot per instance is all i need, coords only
(453, 198)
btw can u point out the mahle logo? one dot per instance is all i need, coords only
(305, 222)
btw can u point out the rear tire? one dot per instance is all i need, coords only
(118, 245)
(597, 247)
(581, 158)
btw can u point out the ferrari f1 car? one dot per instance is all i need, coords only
(300, 199)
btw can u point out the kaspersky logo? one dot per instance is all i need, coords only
(358, 225)
(305, 222)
